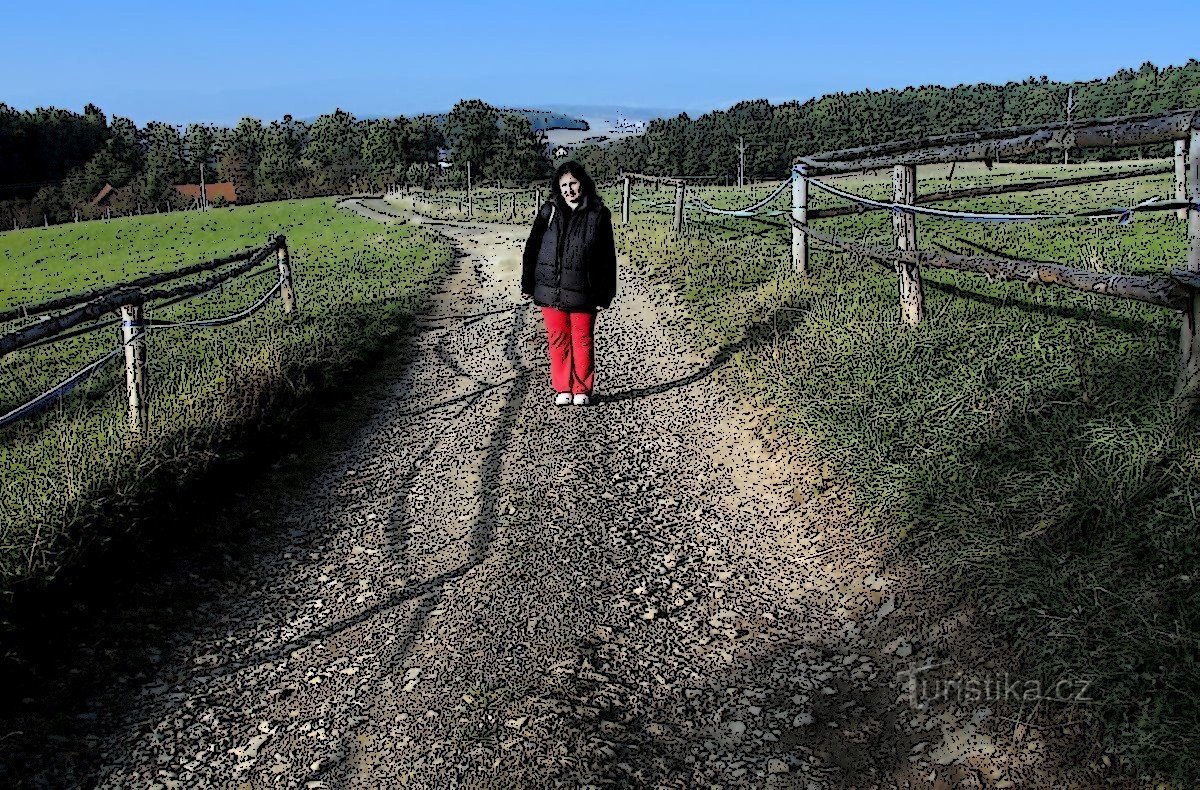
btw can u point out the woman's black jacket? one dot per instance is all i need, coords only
(570, 260)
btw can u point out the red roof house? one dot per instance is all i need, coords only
(104, 195)
(221, 189)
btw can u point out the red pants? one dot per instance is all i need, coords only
(569, 334)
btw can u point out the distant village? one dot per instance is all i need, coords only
(622, 126)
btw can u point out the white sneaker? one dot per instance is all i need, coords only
(562, 399)
(582, 400)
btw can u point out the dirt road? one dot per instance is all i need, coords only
(484, 589)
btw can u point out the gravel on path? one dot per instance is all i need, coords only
(483, 589)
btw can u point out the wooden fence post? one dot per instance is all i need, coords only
(133, 338)
(287, 291)
(470, 205)
(679, 188)
(626, 194)
(1189, 339)
(1180, 176)
(799, 214)
(904, 228)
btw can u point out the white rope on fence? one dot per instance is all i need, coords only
(978, 216)
(73, 381)
(58, 390)
(1124, 214)
(203, 323)
(748, 211)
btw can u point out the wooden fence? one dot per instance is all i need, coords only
(503, 197)
(129, 301)
(1179, 290)
(679, 182)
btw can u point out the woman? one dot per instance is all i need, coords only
(570, 270)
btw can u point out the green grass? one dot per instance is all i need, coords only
(70, 473)
(1018, 445)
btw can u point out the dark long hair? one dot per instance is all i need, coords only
(587, 185)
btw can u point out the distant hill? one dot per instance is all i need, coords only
(606, 124)
(613, 111)
(542, 120)
(545, 120)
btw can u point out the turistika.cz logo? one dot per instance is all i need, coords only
(923, 687)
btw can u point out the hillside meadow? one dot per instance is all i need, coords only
(72, 476)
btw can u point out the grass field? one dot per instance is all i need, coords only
(69, 474)
(1018, 445)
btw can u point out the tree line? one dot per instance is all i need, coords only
(53, 162)
(773, 135)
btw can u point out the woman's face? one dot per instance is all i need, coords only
(570, 188)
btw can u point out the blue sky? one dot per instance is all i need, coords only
(217, 61)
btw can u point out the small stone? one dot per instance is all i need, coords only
(886, 608)
(737, 727)
(777, 766)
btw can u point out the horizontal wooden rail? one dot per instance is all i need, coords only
(1172, 291)
(991, 145)
(257, 259)
(1183, 119)
(988, 190)
(60, 323)
(141, 282)
(121, 295)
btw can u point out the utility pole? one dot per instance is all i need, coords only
(741, 147)
(469, 188)
(1070, 109)
(203, 193)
